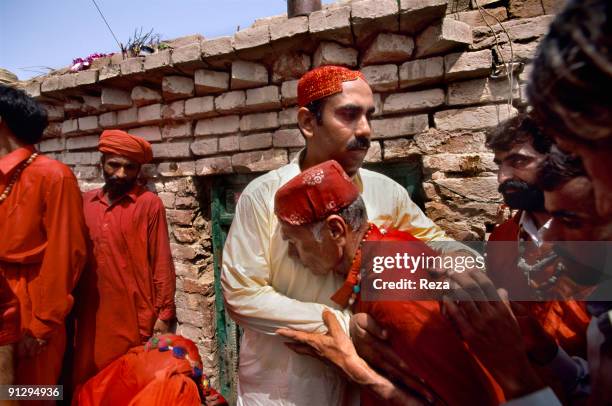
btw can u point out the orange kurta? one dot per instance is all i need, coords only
(10, 330)
(130, 281)
(565, 320)
(426, 340)
(42, 253)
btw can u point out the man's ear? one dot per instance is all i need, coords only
(306, 122)
(337, 227)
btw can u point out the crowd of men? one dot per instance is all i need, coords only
(87, 282)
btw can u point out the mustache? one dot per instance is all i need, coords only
(358, 143)
(519, 185)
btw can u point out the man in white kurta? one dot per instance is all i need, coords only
(264, 289)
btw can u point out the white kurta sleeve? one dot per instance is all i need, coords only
(245, 277)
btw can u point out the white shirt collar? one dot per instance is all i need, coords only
(527, 223)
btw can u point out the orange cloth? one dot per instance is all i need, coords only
(42, 253)
(566, 320)
(427, 341)
(129, 283)
(119, 142)
(10, 331)
(150, 375)
(314, 194)
(324, 81)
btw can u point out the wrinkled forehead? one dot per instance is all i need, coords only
(118, 159)
(289, 231)
(522, 148)
(356, 92)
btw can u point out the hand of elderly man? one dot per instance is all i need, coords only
(484, 319)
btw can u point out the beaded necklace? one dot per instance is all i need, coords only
(357, 262)
(9, 187)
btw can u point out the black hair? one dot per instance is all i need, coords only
(557, 169)
(571, 78)
(517, 130)
(22, 114)
(316, 107)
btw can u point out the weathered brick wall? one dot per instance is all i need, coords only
(228, 105)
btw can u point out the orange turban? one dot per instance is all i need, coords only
(119, 142)
(314, 194)
(324, 81)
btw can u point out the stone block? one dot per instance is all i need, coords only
(78, 158)
(443, 37)
(180, 217)
(378, 105)
(114, 99)
(263, 98)
(33, 89)
(421, 72)
(473, 118)
(459, 163)
(230, 102)
(132, 66)
(100, 62)
(109, 119)
(413, 101)
(205, 146)
(467, 65)
(251, 37)
(519, 53)
(553, 6)
(177, 130)
(86, 172)
(89, 123)
(173, 169)
(67, 81)
(289, 92)
(50, 84)
(229, 143)
(521, 31)
(151, 133)
(73, 107)
(481, 91)
(187, 54)
(70, 126)
(369, 16)
(525, 8)
(381, 78)
(158, 60)
(85, 142)
(482, 188)
(290, 65)
(416, 15)
(288, 138)
(399, 148)
(109, 72)
(216, 47)
(388, 47)
(259, 121)
(142, 96)
(399, 126)
(177, 87)
(248, 74)
(332, 23)
(474, 18)
(199, 107)
(86, 77)
(288, 116)
(214, 165)
(210, 81)
(374, 153)
(52, 145)
(174, 110)
(259, 161)
(288, 28)
(54, 129)
(255, 141)
(218, 125)
(91, 104)
(168, 201)
(331, 53)
(149, 114)
(171, 150)
(54, 113)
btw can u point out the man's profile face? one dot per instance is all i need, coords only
(320, 257)
(344, 133)
(518, 169)
(120, 173)
(596, 160)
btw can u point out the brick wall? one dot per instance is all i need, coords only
(228, 105)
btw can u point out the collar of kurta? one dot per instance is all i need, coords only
(342, 295)
(132, 194)
(299, 157)
(9, 162)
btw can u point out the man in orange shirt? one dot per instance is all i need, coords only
(43, 246)
(127, 293)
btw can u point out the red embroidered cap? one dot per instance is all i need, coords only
(314, 194)
(324, 81)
